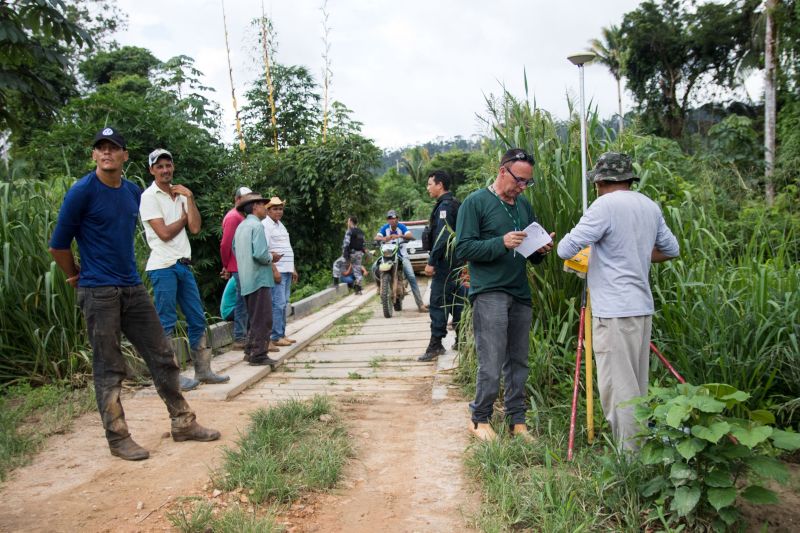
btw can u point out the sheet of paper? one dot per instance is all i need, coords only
(537, 237)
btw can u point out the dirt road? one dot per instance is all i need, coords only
(407, 474)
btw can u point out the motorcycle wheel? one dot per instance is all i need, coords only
(386, 295)
(400, 293)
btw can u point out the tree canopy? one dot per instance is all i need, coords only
(34, 74)
(675, 49)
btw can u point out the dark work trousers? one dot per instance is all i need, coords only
(110, 311)
(447, 298)
(259, 310)
(502, 331)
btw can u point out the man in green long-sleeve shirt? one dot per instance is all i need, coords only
(488, 231)
(256, 276)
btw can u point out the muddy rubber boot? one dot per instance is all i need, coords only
(482, 431)
(434, 350)
(357, 287)
(188, 383)
(202, 364)
(194, 431)
(335, 281)
(128, 449)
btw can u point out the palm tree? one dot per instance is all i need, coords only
(609, 52)
(414, 161)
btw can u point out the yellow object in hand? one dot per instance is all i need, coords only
(579, 264)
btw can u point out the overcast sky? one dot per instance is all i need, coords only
(410, 70)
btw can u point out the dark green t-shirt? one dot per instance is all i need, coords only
(482, 221)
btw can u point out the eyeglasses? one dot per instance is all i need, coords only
(517, 156)
(522, 182)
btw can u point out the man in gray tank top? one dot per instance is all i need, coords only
(627, 233)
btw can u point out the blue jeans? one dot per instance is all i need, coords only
(502, 331)
(175, 286)
(239, 313)
(408, 270)
(280, 299)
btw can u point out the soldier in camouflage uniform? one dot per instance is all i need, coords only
(627, 233)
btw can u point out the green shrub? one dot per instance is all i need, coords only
(706, 449)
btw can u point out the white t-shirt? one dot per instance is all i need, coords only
(278, 240)
(156, 203)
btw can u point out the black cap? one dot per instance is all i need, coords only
(110, 134)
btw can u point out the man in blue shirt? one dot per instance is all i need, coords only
(100, 212)
(393, 231)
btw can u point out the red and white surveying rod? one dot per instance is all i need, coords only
(578, 353)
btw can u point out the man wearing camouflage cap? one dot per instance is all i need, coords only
(627, 233)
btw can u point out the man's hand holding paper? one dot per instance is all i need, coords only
(536, 240)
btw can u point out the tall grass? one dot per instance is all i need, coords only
(42, 336)
(726, 310)
(532, 487)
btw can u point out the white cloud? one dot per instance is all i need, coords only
(411, 70)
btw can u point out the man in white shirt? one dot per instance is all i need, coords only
(167, 210)
(279, 242)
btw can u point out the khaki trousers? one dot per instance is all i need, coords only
(622, 351)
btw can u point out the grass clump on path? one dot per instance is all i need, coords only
(200, 518)
(349, 324)
(294, 447)
(29, 415)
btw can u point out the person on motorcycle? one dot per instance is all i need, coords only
(393, 231)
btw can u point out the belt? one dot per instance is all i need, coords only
(185, 261)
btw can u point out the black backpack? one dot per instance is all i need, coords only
(356, 239)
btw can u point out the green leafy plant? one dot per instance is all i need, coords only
(703, 456)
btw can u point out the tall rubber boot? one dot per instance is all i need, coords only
(187, 383)
(202, 365)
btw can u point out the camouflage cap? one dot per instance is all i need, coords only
(612, 166)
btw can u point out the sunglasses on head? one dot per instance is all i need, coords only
(518, 156)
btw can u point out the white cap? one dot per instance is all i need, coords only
(155, 154)
(241, 191)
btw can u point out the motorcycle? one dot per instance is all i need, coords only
(391, 280)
